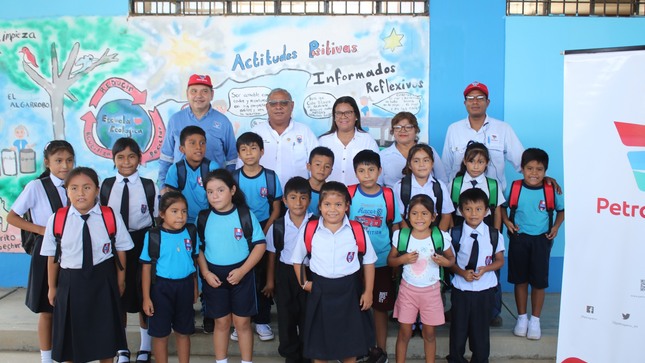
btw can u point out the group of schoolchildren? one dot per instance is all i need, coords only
(337, 262)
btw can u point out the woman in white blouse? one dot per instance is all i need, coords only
(405, 129)
(346, 138)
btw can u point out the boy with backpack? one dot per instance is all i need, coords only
(263, 193)
(532, 228)
(479, 251)
(281, 281)
(187, 175)
(321, 162)
(374, 207)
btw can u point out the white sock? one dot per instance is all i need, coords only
(535, 319)
(46, 356)
(225, 360)
(145, 340)
(122, 359)
(246, 361)
(522, 317)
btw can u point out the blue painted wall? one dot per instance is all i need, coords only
(517, 57)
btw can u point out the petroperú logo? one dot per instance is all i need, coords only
(633, 135)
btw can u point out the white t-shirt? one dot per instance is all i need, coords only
(343, 170)
(424, 272)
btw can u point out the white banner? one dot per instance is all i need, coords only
(602, 314)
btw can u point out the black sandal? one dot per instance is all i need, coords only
(146, 353)
(125, 353)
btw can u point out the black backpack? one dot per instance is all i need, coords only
(29, 238)
(269, 176)
(406, 195)
(181, 172)
(455, 234)
(154, 246)
(245, 221)
(148, 189)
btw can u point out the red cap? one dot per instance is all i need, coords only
(476, 85)
(200, 79)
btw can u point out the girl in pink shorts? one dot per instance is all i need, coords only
(422, 250)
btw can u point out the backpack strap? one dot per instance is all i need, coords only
(154, 247)
(455, 191)
(404, 240)
(204, 168)
(181, 174)
(106, 189)
(494, 239)
(192, 233)
(60, 218)
(513, 199)
(278, 236)
(247, 225)
(52, 194)
(352, 190)
(549, 199)
(236, 175)
(438, 243)
(151, 194)
(359, 235)
(202, 218)
(493, 193)
(269, 175)
(406, 193)
(310, 229)
(438, 194)
(388, 195)
(109, 220)
(455, 235)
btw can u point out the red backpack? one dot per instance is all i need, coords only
(514, 197)
(388, 196)
(109, 220)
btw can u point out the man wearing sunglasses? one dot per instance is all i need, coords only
(287, 143)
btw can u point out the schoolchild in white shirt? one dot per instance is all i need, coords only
(335, 284)
(282, 282)
(126, 193)
(346, 138)
(58, 160)
(86, 275)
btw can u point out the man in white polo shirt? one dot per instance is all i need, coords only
(287, 143)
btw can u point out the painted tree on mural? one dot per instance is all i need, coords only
(62, 80)
(66, 59)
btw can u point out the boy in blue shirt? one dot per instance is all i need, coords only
(263, 193)
(374, 207)
(320, 165)
(531, 231)
(186, 175)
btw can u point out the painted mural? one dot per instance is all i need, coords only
(93, 80)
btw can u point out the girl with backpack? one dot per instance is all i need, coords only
(83, 243)
(424, 251)
(136, 199)
(231, 244)
(41, 198)
(169, 282)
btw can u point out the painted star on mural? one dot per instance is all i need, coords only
(393, 40)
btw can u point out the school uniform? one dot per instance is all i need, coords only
(287, 153)
(499, 138)
(194, 190)
(34, 198)
(446, 208)
(472, 301)
(87, 315)
(393, 163)
(172, 293)
(225, 249)
(139, 221)
(480, 182)
(335, 327)
(290, 298)
(313, 204)
(529, 251)
(343, 170)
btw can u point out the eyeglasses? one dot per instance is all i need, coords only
(473, 98)
(343, 113)
(275, 103)
(398, 128)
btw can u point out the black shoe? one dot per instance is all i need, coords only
(208, 324)
(497, 321)
(145, 353)
(377, 355)
(123, 353)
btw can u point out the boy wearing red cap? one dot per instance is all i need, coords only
(220, 137)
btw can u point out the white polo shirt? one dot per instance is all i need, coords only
(34, 197)
(489, 279)
(286, 154)
(446, 208)
(393, 163)
(72, 241)
(290, 238)
(333, 255)
(344, 155)
(499, 138)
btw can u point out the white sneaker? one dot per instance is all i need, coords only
(264, 332)
(521, 326)
(534, 331)
(234, 335)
